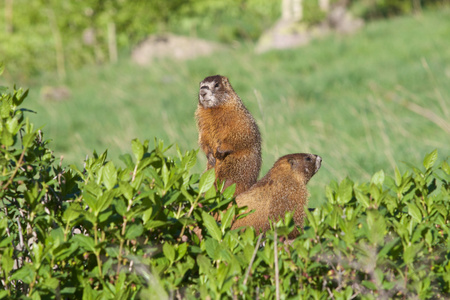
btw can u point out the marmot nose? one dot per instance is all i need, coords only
(202, 93)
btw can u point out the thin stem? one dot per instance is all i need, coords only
(189, 214)
(32, 284)
(179, 210)
(119, 259)
(277, 284)
(247, 273)
(135, 171)
(21, 246)
(19, 164)
(122, 233)
(97, 255)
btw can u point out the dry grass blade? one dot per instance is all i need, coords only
(430, 115)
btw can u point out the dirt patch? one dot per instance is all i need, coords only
(172, 46)
(290, 33)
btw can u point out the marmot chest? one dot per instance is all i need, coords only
(221, 124)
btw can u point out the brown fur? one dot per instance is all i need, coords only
(283, 189)
(228, 134)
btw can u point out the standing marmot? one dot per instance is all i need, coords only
(228, 134)
(283, 189)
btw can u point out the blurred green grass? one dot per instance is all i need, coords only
(341, 97)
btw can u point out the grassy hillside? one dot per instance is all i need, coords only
(342, 97)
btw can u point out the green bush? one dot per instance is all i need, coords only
(388, 8)
(125, 232)
(312, 13)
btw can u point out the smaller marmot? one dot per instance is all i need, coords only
(283, 189)
(228, 134)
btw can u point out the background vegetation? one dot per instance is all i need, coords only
(69, 34)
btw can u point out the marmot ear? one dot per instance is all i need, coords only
(225, 81)
(292, 162)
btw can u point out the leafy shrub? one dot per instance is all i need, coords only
(130, 231)
(312, 12)
(383, 9)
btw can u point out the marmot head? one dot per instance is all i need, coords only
(214, 90)
(302, 166)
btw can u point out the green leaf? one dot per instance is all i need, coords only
(68, 291)
(147, 214)
(329, 192)
(410, 252)
(345, 191)
(38, 251)
(227, 217)
(430, 159)
(120, 206)
(429, 237)
(370, 285)
(89, 293)
(165, 174)
(7, 138)
(90, 193)
(362, 198)
(138, 149)
(189, 160)
(3, 294)
(221, 275)
(5, 109)
(127, 160)
(414, 212)
(109, 175)
(172, 197)
(387, 247)
(211, 193)
(446, 167)
(181, 250)
(211, 225)
(229, 191)
(204, 264)
(378, 178)
(28, 139)
(85, 242)
(7, 260)
(18, 100)
(398, 177)
(311, 219)
(377, 226)
(65, 250)
(12, 125)
(104, 201)
(211, 246)
(51, 283)
(25, 274)
(206, 181)
(169, 252)
(126, 189)
(133, 231)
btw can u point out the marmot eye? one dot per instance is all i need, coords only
(308, 158)
(217, 85)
